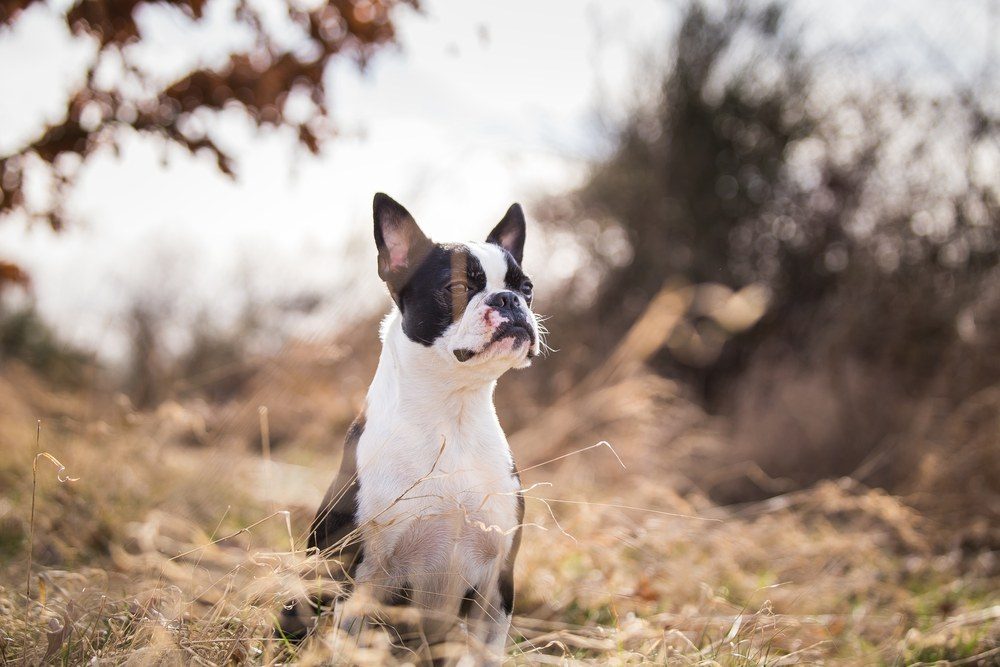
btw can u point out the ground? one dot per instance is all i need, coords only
(172, 535)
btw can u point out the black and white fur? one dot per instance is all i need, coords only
(426, 509)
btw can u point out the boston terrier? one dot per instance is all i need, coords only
(426, 510)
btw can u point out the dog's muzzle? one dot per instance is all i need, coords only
(516, 327)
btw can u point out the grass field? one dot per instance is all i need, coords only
(173, 535)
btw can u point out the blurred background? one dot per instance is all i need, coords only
(766, 236)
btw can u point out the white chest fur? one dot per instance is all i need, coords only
(437, 497)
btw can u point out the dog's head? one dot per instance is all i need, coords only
(468, 302)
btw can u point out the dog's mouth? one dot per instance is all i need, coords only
(518, 331)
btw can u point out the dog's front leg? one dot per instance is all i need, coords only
(488, 618)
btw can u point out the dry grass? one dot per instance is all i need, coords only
(167, 550)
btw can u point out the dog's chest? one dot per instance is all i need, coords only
(436, 495)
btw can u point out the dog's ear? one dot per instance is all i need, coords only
(509, 232)
(401, 245)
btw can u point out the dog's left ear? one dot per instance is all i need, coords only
(509, 232)
(401, 244)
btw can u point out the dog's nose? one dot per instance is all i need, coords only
(503, 301)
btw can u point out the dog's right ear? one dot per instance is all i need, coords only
(401, 245)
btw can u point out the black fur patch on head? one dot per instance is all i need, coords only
(517, 280)
(438, 292)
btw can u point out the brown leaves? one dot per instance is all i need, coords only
(259, 81)
(12, 274)
(10, 9)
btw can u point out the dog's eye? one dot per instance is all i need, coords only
(526, 288)
(458, 287)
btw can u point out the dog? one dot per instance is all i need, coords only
(426, 509)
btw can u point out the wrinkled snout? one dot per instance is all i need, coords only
(505, 301)
(508, 306)
(509, 318)
(500, 326)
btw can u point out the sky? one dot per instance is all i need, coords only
(482, 104)
(476, 109)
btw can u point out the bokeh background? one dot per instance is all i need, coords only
(765, 236)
